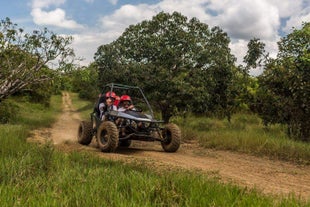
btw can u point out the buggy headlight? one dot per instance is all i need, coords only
(134, 124)
(146, 124)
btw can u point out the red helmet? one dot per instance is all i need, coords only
(117, 100)
(125, 98)
(110, 94)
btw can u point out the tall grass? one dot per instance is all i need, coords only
(19, 159)
(79, 179)
(245, 133)
(35, 115)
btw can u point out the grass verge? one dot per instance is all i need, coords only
(245, 133)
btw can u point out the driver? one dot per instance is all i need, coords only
(125, 103)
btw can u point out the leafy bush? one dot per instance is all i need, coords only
(7, 111)
(84, 82)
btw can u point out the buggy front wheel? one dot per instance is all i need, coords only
(172, 138)
(107, 136)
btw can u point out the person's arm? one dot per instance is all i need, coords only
(101, 107)
(131, 107)
(121, 109)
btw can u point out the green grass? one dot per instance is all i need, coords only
(245, 133)
(79, 179)
(40, 175)
(82, 106)
(35, 115)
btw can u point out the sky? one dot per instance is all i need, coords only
(97, 22)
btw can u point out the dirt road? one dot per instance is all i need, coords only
(268, 176)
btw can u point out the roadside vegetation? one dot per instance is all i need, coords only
(245, 133)
(40, 175)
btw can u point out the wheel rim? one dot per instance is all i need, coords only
(167, 137)
(103, 137)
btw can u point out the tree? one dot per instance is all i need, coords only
(255, 54)
(285, 85)
(179, 63)
(24, 56)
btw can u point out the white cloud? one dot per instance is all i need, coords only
(127, 15)
(247, 19)
(287, 8)
(46, 3)
(113, 2)
(86, 44)
(193, 8)
(55, 17)
(297, 20)
(239, 48)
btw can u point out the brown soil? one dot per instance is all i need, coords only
(268, 176)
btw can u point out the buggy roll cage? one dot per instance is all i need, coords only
(121, 86)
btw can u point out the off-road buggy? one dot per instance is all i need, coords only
(119, 128)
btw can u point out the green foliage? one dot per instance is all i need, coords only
(181, 64)
(8, 111)
(284, 92)
(84, 82)
(256, 50)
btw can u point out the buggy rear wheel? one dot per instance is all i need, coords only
(85, 134)
(172, 138)
(107, 136)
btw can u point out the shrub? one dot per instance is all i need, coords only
(7, 111)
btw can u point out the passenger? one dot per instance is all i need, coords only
(107, 105)
(101, 98)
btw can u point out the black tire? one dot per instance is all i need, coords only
(85, 133)
(107, 136)
(172, 138)
(125, 143)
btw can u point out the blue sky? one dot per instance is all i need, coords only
(96, 22)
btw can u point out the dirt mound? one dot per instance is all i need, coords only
(269, 176)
